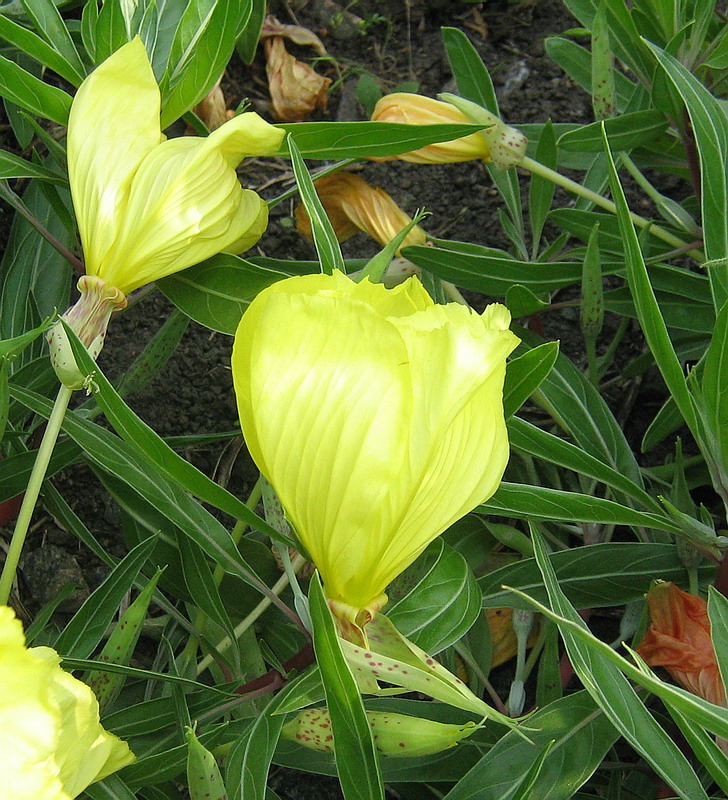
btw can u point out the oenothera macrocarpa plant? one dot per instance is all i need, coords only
(376, 416)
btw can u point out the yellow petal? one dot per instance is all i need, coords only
(414, 109)
(242, 137)
(376, 415)
(52, 745)
(186, 204)
(330, 439)
(113, 125)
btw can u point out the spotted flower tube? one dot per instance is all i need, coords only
(376, 415)
(52, 745)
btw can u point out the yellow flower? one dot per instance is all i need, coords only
(499, 144)
(52, 745)
(353, 205)
(376, 415)
(147, 207)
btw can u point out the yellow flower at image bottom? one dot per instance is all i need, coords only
(376, 415)
(52, 745)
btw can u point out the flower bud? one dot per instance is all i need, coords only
(498, 143)
(353, 205)
(396, 735)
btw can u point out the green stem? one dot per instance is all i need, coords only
(35, 482)
(572, 186)
(241, 627)
(190, 649)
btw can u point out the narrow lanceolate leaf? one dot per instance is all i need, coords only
(600, 669)
(327, 245)
(435, 601)
(143, 439)
(216, 292)
(120, 646)
(49, 23)
(12, 166)
(713, 399)
(597, 575)
(525, 373)
(246, 774)
(710, 128)
(30, 93)
(718, 615)
(648, 310)
(356, 757)
(541, 503)
(38, 49)
(581, 736)
(88, 626)
(333, 141)
(527, 438)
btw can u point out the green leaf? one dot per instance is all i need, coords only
(30, 93)
(333, 141)
(216, 292)
(324, 238)
(9, 348)
(523, 501)
(494, 275)
(110, 788)
(47, 20)
(12, 166)
(648, 310)
(88, 626)
(710, 128)
(39, 50)
(527, 438)
(249, 761)
(718, 615)
(170, 499)
(541, 190)
(203, 44)
(143, 439)
(593, 576)
(578, 408)
(110, 31)
(525, 374)
(581, 737)
(612, 692)
(356, 758)
(247, 40)
(624, 133)
(436, 600)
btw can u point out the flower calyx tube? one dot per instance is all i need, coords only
(88, 318)
(394, 735)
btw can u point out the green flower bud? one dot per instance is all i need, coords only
(394, 735)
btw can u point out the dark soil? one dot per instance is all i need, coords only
(193, 392)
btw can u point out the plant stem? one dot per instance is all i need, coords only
(572, 186)
(35, 482)
(241, 627)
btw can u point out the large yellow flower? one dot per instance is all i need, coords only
(376, 415)
(52, 745)
(147, 207)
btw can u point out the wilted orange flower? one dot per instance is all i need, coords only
(296, 90)
(353, 205)
(679, 640)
